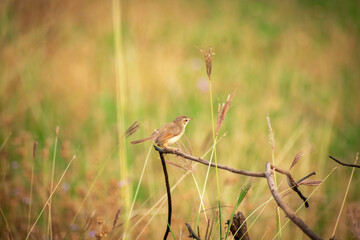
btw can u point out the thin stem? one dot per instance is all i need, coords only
(138, 186)
(31, 184)
(121, 104)
(6, 223)
(214, 140)
(5, 141)
(344, 164)
(346, 193)
(200, 195)
(88, 193)
(205, 182)
(47, 202)
(52, 183)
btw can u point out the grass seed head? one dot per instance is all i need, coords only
(222, 111)
(208, 60)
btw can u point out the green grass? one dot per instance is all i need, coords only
(295, 61)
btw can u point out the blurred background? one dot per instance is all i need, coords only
(294, 61)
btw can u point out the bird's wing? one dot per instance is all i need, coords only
(166, 132)
(170, 129)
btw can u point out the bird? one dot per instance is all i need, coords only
(169, 133)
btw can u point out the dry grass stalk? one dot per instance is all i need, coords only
(34, 149)
(296, 160)
(354, 217)
(116, 219)
(177, 165)
(310, 182)
(192, 234)
(211, 228)
(208, 60)
(222, 111)
(185, 164)
(188, 142)
(207, 229)
(271, 134)
(132, 129)
(184, 148)
(88, 222)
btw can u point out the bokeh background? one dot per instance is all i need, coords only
(294, 61)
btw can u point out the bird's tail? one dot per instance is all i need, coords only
(142, 140)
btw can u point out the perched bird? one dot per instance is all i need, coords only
(169, 133)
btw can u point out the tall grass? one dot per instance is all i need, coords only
(344, 199)
(90, 67)
(49, 227)
(121, 109)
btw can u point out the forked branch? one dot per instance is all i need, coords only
(288, 211)
(267, 174)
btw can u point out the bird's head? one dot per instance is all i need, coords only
(183, 120)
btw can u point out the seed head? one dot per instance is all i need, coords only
(208, 60)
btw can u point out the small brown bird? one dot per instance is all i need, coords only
(169, 133)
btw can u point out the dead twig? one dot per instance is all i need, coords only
(202, 161)
(168, 192)
(191, 232)
(344, 164)
(288, 211)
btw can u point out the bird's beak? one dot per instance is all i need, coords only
(190, 119)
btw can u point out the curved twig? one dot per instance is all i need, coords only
(288, 211)
(191, 232)
(168, 192)
(344, 164)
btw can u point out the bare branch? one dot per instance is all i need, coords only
(294, 186)
(344, 164)
(304, 178)
(202, 161)
(191, 232)
(168, 195)
(267, 174)
(288, 211)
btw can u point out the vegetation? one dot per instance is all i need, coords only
(72, 81)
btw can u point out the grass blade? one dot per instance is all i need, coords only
(49, 229)
(52, 193)
(346, 193)
(241, 197)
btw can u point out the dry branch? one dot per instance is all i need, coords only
(288, 211)
(168, 194)
(344, 164)
(191, 232)
(267, 174)
(202, 161)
